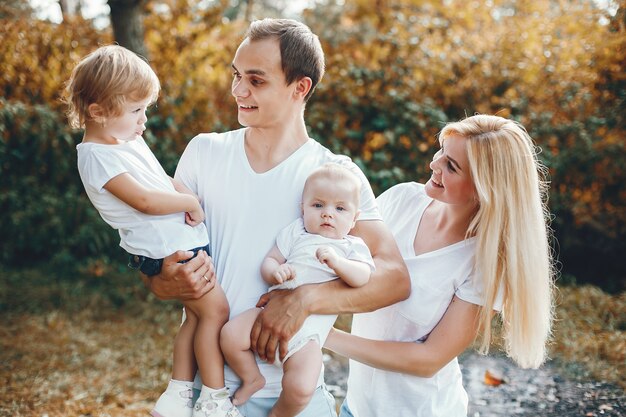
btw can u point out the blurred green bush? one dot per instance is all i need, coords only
(47, 215)
(396, 73)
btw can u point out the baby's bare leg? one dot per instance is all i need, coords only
(235, 342)
(212, 312)
(301, 372)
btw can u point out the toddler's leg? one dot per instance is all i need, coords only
(177, 400)
(212, 312)
(301, 372)
(235, 341)
(184, 364)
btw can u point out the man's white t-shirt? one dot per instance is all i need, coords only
(436, 277)
(245, 211)
(140, 234)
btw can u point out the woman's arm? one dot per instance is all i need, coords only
(453, 334)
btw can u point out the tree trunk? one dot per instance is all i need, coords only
(249, 5)
(127, 22)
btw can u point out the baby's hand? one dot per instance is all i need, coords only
(195, 217)
(326, 255)
(283, 273)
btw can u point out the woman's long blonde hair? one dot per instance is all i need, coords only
(512, 230)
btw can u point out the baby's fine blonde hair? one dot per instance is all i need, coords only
(512, 230)
(109, 76)
(335, 172)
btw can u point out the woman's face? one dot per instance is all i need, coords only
(451, 181)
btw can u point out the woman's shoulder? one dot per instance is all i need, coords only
(400, 199)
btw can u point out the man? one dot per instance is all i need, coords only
(250, 182)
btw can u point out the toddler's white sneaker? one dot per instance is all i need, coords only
(215, 404)
(176, 401)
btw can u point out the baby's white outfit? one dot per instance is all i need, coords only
(299, 248)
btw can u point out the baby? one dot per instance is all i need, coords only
(313, 249)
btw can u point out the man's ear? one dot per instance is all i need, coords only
(96, 112)
(303, 86)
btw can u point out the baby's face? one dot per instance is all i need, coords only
(329, 208)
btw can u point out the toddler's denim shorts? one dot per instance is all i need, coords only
(151, 266)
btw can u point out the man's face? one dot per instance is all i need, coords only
(264, 100)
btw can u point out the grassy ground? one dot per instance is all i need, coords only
(101, 346)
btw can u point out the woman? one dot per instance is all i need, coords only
(475, 241)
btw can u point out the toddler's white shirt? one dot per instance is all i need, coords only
(140, 233)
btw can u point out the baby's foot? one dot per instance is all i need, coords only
(248, 388)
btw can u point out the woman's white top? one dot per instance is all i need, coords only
(140, 234)
(436, 277)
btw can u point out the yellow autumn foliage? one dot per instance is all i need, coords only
(397, 71)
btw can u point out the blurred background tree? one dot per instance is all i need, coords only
(127, 24)
(397, 71)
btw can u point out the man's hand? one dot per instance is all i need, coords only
(186, 281)
(283, 314)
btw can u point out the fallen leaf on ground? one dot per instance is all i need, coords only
(494, 378)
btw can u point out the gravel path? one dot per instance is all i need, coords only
(526, 392)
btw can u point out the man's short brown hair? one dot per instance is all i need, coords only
(301, 53)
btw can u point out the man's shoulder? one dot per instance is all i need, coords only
(326, 155)
(217, 139)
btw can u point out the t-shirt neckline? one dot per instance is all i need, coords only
(448, 248)
(246, 161)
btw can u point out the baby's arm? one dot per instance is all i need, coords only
(354, 273)
(150, 201)
(274, 268)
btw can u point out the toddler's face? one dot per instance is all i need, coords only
(329, 208)
(131, 123)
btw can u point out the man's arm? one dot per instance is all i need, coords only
(285, 311)
(181, 188)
